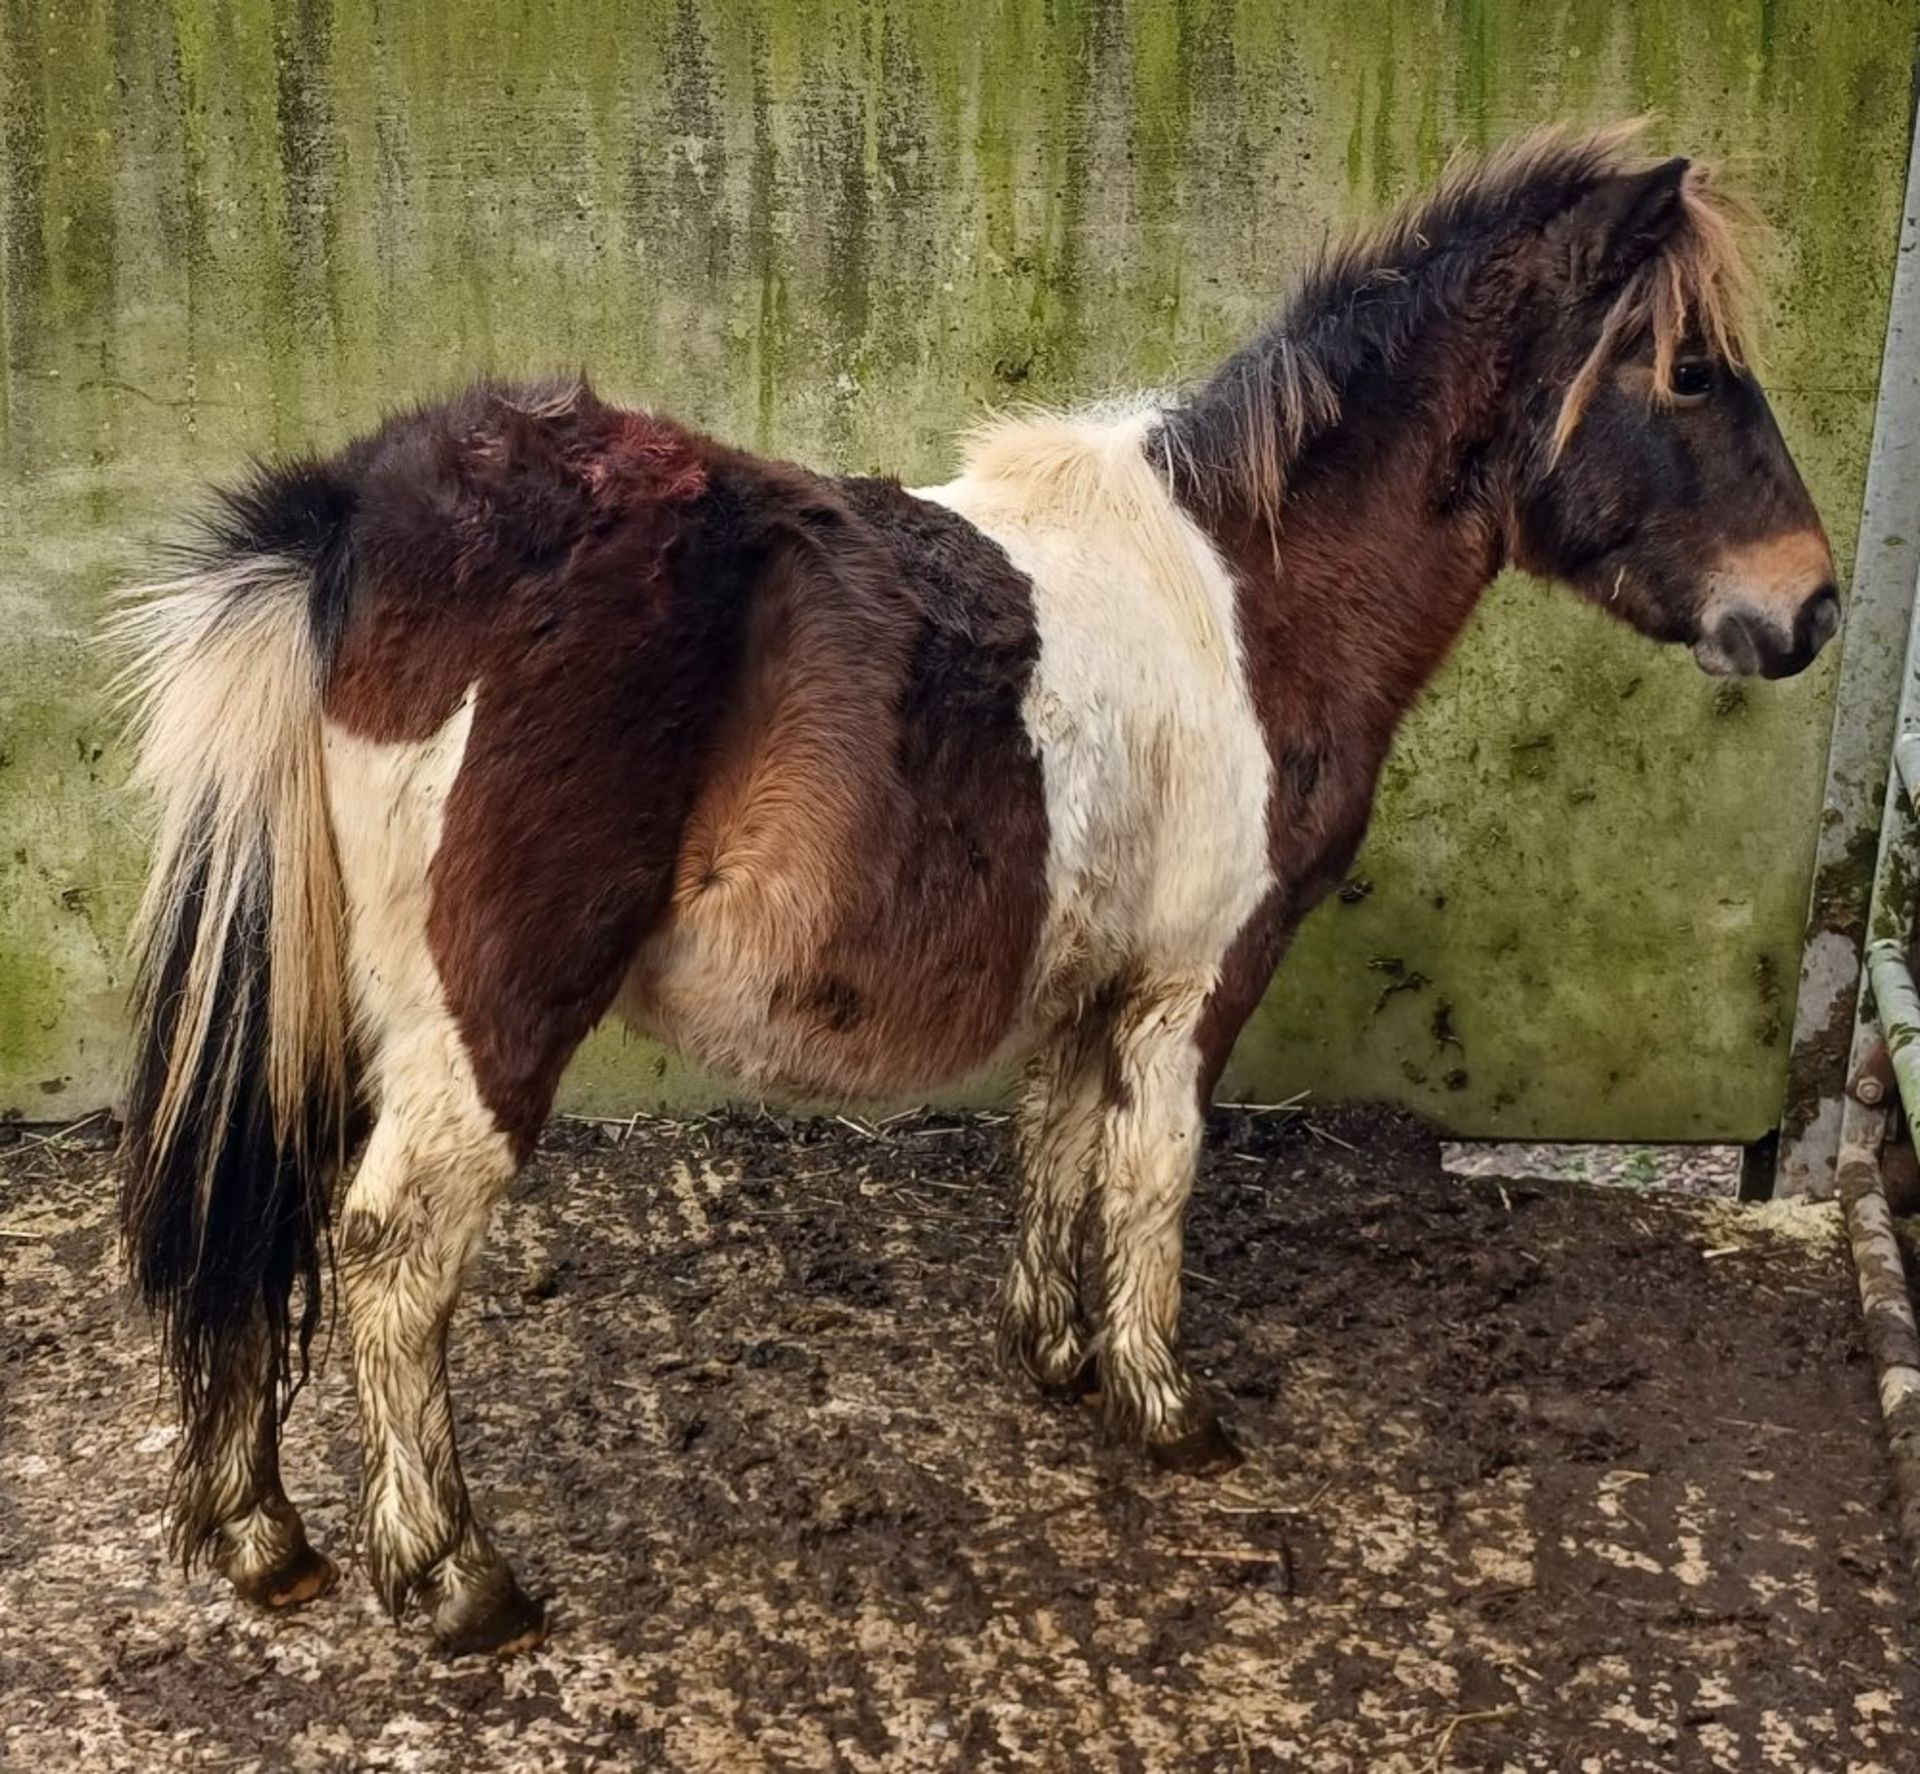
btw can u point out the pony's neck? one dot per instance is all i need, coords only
(1363, 540)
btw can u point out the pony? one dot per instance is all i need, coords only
(527, 707)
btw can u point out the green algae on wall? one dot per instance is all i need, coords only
(839, 230)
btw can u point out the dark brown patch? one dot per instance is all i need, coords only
(1301, 765)
(838, 1004)
(1244, 976)
(685, 658)
(941, 950)
(487, 532)
(525, 546)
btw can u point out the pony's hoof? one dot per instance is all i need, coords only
(1203, 1452)
(1082, 1386)
(502, 1626)
(1056, 1363)
(305, 1577)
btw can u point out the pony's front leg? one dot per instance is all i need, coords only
(416, 1213)
(1150, 1149)
(1044, 1331)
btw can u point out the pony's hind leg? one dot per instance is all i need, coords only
(436, 1162)
(230, 1503)
(1044, 1330)
(1150, 1148)
(479, 960)
(417, 1211)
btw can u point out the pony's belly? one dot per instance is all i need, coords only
(820, 1033)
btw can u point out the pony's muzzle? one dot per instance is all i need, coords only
(1770, 608)
(1746, 643)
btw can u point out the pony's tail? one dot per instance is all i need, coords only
(238, 1109)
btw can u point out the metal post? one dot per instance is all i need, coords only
(1889, 1016)
(1886, 559)
(1886, 1310)
(1898, 1005)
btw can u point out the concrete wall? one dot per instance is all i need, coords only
(837, 229)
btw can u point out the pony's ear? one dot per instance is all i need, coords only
(1626, 220)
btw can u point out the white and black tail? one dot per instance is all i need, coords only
(238, 1109)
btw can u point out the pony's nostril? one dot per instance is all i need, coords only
(1739, 644)
(1820, 619)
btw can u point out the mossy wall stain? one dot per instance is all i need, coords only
(839, 230)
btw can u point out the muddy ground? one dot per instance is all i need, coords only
(1541, 1477)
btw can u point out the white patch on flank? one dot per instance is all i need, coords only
(389, 805)
(1155, 766)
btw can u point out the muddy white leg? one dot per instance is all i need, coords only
(417, 1211)
(1150, 1147)
(1044, 1329)
(230, 1503)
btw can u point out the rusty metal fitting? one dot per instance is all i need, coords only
(1873, 1083)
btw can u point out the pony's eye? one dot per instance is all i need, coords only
(1692, 380)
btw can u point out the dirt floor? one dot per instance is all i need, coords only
(1541, 1477)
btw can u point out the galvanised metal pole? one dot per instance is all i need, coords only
(1889, 1014)
(1886, 1310)
(1897, 1009)
(1885, 560)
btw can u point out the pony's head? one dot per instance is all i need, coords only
(1654, 479)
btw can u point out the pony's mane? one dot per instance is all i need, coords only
(1238, 437)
